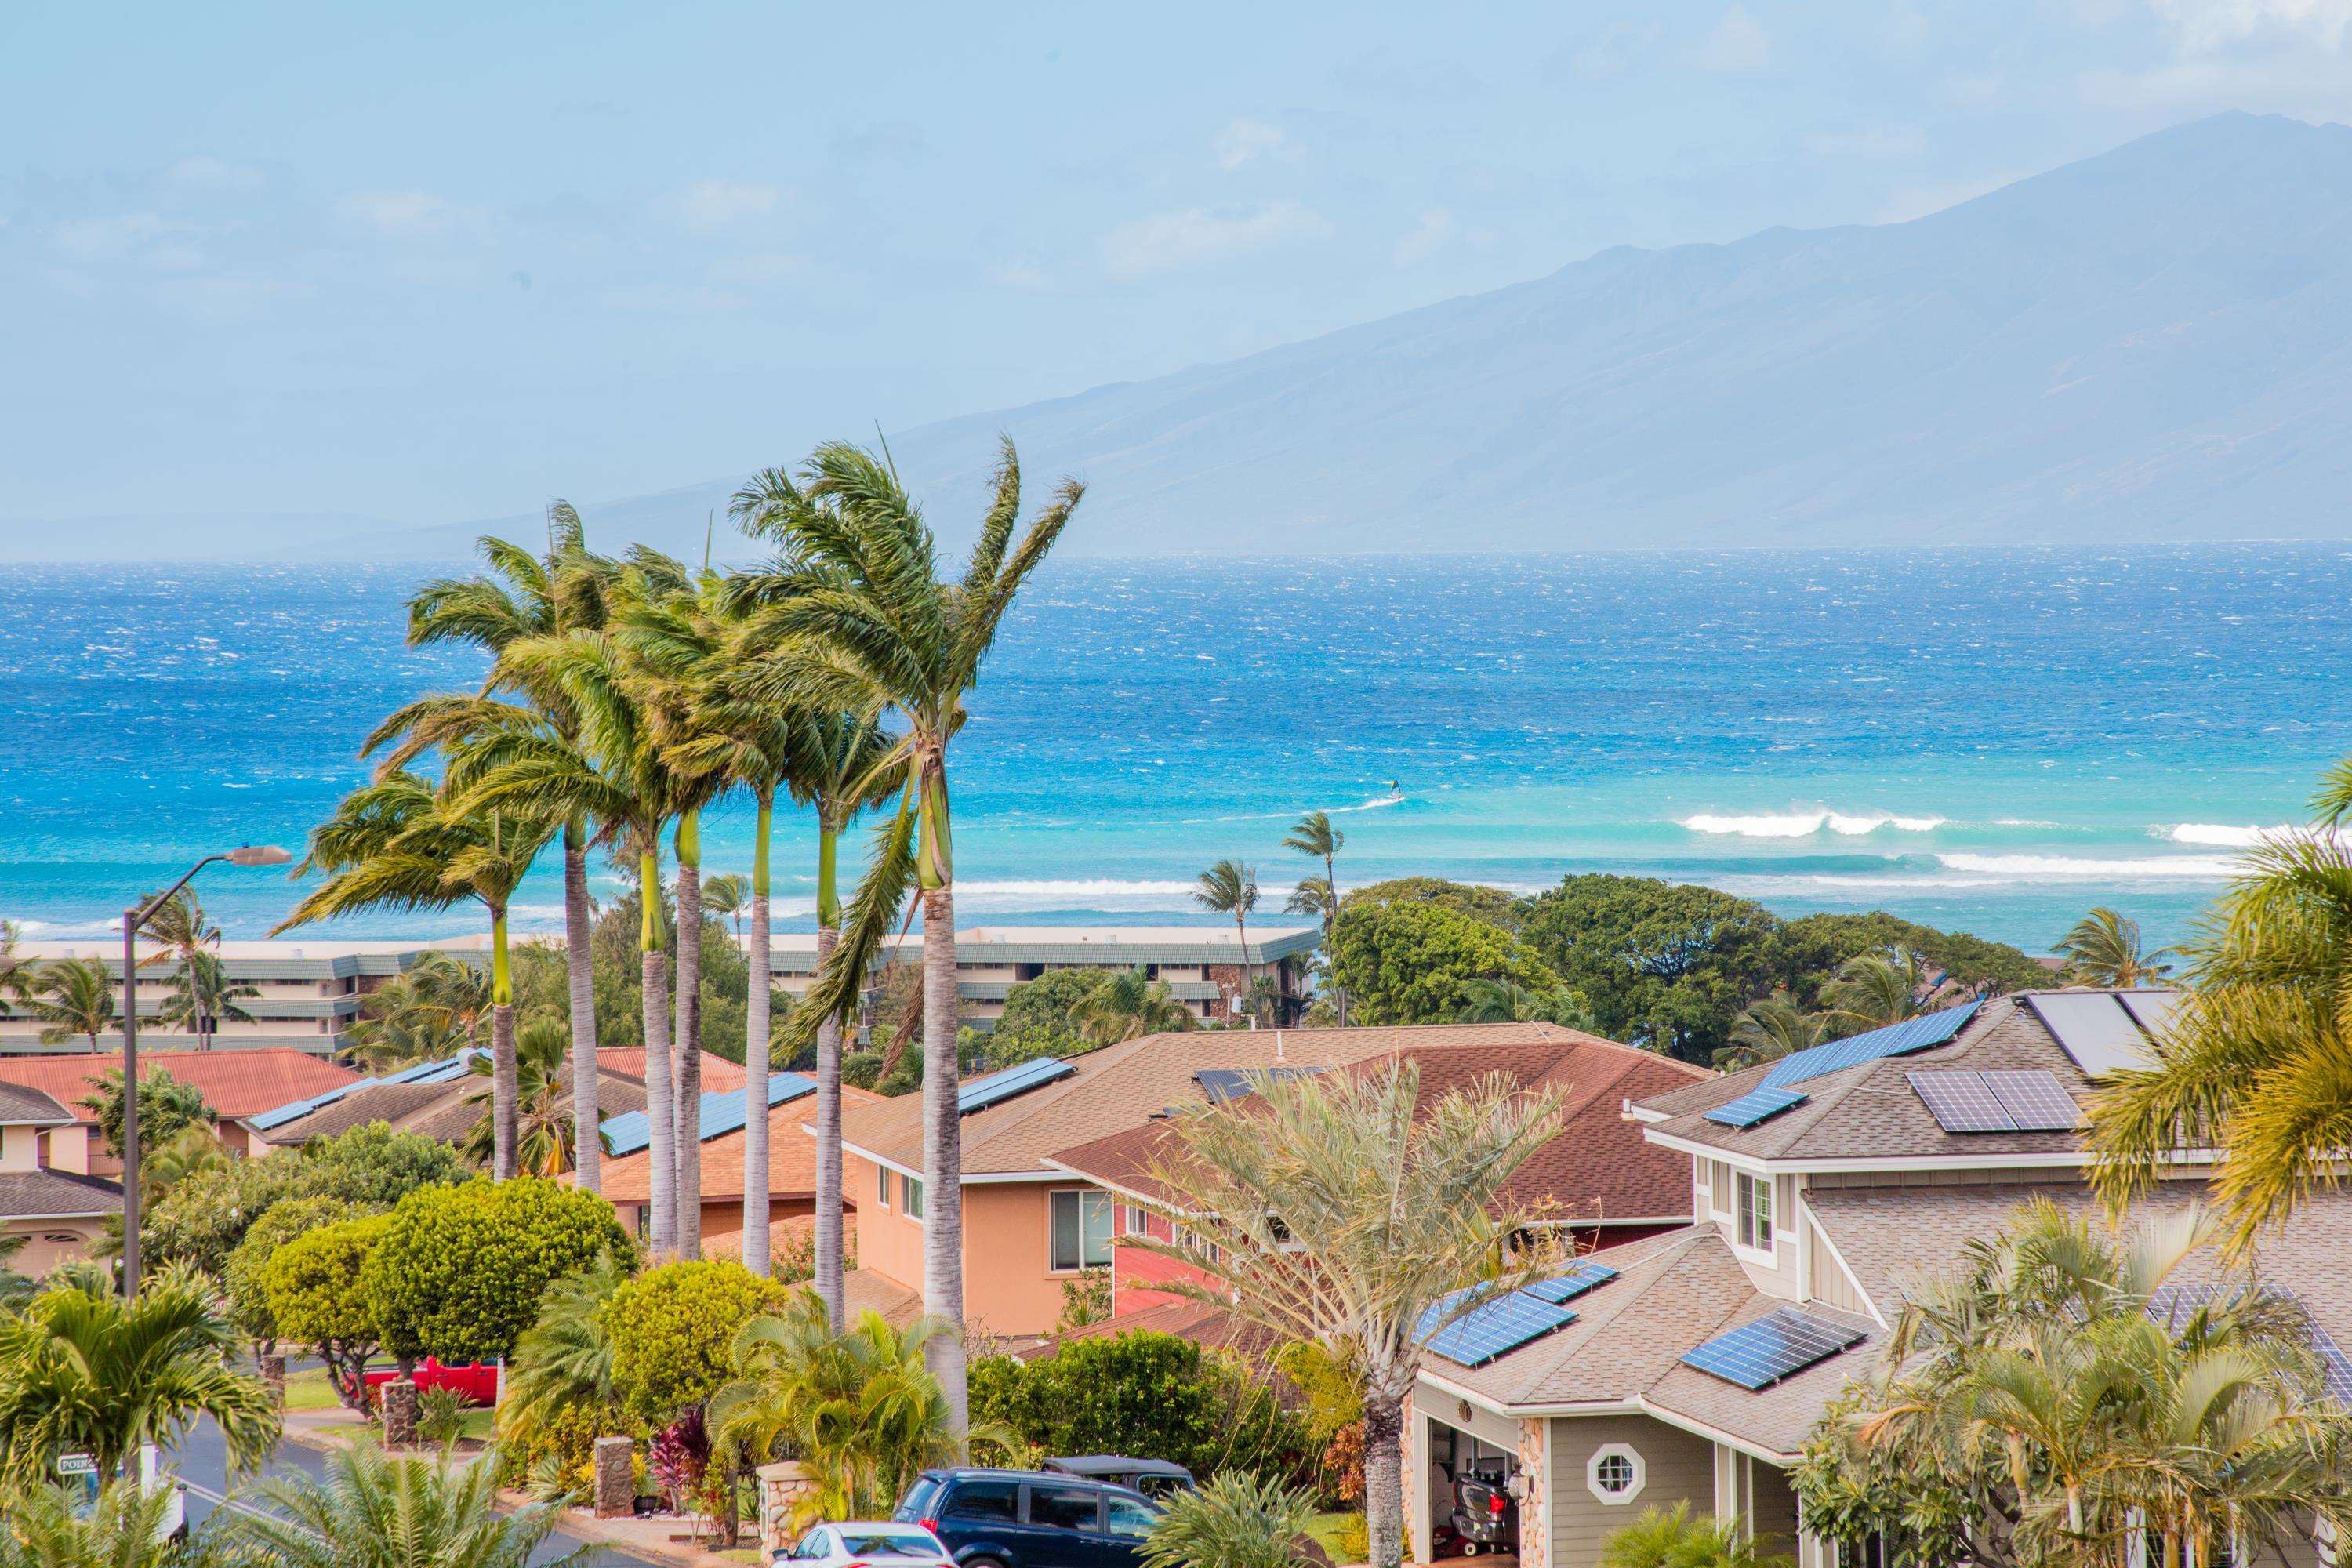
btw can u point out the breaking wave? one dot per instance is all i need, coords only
(1804, 824)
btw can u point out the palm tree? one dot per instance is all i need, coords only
(204, 992)
(394, 844)
(557, 595)
(1510, 1002)
(729, 897)
(1230, 887)
(46, 1527)
(1127, 1005)
(375, 1509)
(73, 996)
(16, 973)
(858, 620)
(1315, 836)
(81, 1370)
(188, 935)
(1769, 1029)
(2104, 949)
(1874, 989)
(1235, 1521)
(546, 1139)
(565, 1358)
(1346, 1214)
(434, 1008)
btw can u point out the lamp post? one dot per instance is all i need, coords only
(132, 919)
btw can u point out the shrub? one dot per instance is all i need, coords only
(206, 1218)
(286, 1220)
(1670, 1538)
(461, 1271)
(560, 1446)
(671, 1327)
(440, 1416)
(1237, 1520)
(315, 1297)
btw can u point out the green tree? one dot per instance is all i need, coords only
(459, 1272)
(672, 1327)
(1316, 837)
(1664, 965)
(203, 992)
(1768, 1030)
(1040, 1017)
(1415, 963)
(1493, 905)
(545, 1139)
(203, 1220)
(858, 620)
(241, 1277)
(313, 1285)
(1340, 1209)
(375, 1509)
(167, 1107)
(1510, 1002)
(729, 897)
(2104, 947)
(1811, 949)
(437, 1006)
(73, 996)
(1230, 887)
(564, 1360)
(1237, 1520)
(88, 1373)
(1874, 990)
(1128, 1004)
(1151, 1396)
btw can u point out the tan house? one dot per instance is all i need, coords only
(59, 1212)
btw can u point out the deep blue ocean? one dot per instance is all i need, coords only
(1990, 740)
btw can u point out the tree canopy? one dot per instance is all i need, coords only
(1415, 963)
(459, 1272)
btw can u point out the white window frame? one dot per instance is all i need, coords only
(1602, 1455)
(1745, 1190)
(1079, 1196)
(882, 1185)
(911, 1195)
(1139, 1220)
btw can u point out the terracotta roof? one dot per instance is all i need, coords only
(1123, 1086)
(864, 1291)
(59, 1194)
(791, 1156)
(629, 1061)
(235, 1083)
(20, 1105)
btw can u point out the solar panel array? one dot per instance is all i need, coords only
(1562, 1288)
(1780, 1344)
(2024, 1099)
(997, 1087)
(1757, 1104)
(1895, 1040)
(721, 1111)
(2151, 1010)
(2096, 1029)
(1960, 1102)
(441, 1071)
(1492, 1329)
(1223, 1086)
(2034, 1098)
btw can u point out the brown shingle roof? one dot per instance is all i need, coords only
(20, 1105)
(389, 1103)
(791, 1156)
(864, 1291)
(629, 1061)
(56, 1195)
(236, 1082)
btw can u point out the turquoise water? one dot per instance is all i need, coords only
(1992, 740)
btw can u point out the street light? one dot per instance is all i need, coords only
(243, 855)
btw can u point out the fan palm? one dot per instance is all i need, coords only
(1230, 887)
(1487, 1001)
(73, 996)
(1126, 1005)
(544, 1133)
(1315, 836)
(857, 620)
(1769, 1030)
(437, 1006)
(554, 596)
(375, 1509)
(81, 1370)
(729, 897)
(2104, 949)
(394, 844)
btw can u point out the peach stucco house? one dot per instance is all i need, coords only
(59, 1210)
(237, 1083)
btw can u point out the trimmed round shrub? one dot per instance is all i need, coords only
(286, 1220)
(315, 1298)
(671, 1327)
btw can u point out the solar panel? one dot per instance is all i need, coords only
(983, 1092)
(2151, 1010)
(1780, 1344)
(1757, 1104)
(1565, 1287)
(1895, 1040)
(1961, 1102)
(2338, 1370)
(1496, 1328)
(721, 1112)
(1223, 1086)
(2095, 1029)
(2034, 1100)
(439, 1072)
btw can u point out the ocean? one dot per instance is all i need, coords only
(1991, 740)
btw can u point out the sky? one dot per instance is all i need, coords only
(435, 262)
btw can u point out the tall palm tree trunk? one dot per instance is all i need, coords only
(661, 1105)
(1331, 929)
(506, 1082)
(1241, 995)
(686, 1047)
(942, 1154)
(755, 1054)
(1384, 1477)
(580, 969)
(829, 1249)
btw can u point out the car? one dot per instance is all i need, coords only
(1153, 1478)
(1030, 1519)
(868, 1543)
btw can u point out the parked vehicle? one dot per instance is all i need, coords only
(858, 1543)
(1030, 1519)
(1153, 1478)
(478, 1383)
(1484, 1517)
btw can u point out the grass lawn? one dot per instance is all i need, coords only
(1328, 1529)
(481, 1423)
(742, 1554)
(309, 1390)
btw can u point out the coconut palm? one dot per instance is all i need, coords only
(375, 1509)
(729, 898)
(395, 844)
(434, 1008)
(188, 936)
(1126, 1005)
(1769, 1030)
(73, 997)
(855, 620)
(1487, 1001)
(554, 596)
(544, 1131)
(1230, 887)
(1873, 990)
(16, 973)
(1340, 1210)
(2103, 948)
(1314, 835)
(81, 1370)
(203, 992)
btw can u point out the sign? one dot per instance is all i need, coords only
(77, 1465)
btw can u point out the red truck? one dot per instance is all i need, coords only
(479, 1383)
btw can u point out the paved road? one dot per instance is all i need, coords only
(204, 1461)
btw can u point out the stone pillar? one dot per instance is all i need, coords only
(273, 1377)
(616, 1490)
(783, 1485)
(1535, 1492)
(400, 1413)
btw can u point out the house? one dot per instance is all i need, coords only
(58, 1213)
(626, 1176)
(239, 1084)
(1049, 1146)
(1692, 1368)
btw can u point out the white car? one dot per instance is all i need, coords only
(858, 1544)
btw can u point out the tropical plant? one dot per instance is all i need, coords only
(1508, 1001)
(1346, 1213)
(1315, 836)
(16, 973)
(314, 1285)
(1769, 1030)
(1414, 962)
(73, 997)
(375, 1509)
(1235, 1521)
(46, 1526)
(2104, 947)
(440, 1416)
(81, 1370)
(203, 995)
(243, 1276)
(1127, 1005)
(564, 1360)
(546, 1141)
(855, 619)
(1670, 1538)
(1874, 990)
(671, 1329)
(729, 898)
(192, 1152)
(166, 1106)
(1230, 887)
(431, 1010)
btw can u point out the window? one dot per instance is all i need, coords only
(1080, 1225)
(1128, 1516)
(910, 1193)
(1756, 1212)
(1615, 1474)
(1064, 1507)
(882, 1185)
(1138, 1221)
(813, 1547)
(985, 1499)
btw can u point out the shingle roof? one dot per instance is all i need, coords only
(629, 1061)
(56, 1195)
(792, 1157)
(864, 1291)
(235, 1082)
(391, 1102)
(1123, 1086)
(20, 1105)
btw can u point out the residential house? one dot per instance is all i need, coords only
(58, 1213)
(238, 1085)
(1693, 1368)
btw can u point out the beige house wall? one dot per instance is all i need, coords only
(53, 1241)
(1677, 1466)
(20, 1149)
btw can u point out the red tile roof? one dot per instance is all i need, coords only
(235, 1083)
(629, 1061)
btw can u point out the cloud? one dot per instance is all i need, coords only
(707, 206)
(1612, 52)
(762, 269)
(213, 175)
(1200, 234)
(1019, 272)
(1428, 237)
(1384, 73)
(1736, 44)
(884, 141)
(396, 214)
(2205, 26)
(1243, 139)
(107, 238)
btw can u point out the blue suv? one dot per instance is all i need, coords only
(1030, 1519)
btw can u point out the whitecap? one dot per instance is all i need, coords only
(2222, 833)
(2073, 868)
(1804, 824)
